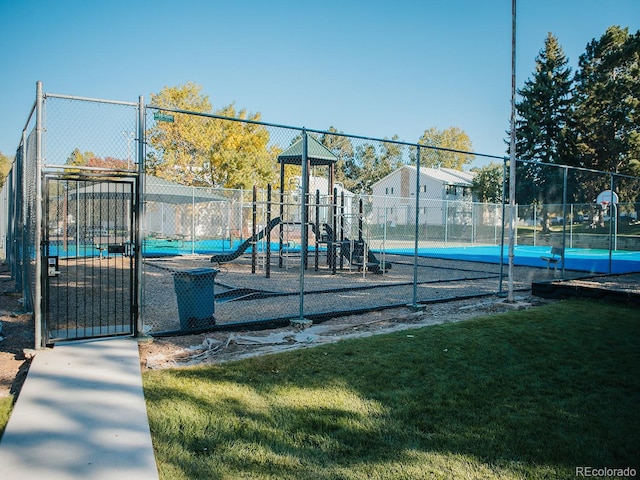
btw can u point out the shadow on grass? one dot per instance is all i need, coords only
(525, 394)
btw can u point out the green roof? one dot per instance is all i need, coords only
(317, 153)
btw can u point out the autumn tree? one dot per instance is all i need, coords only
(204, 151)
(78, 158)
(239, 155)
(455, 142)
(5, 167)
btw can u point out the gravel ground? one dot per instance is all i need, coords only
(324, 293)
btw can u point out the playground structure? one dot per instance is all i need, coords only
(326, 216)
(331, 238)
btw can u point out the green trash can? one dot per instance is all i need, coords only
(195, 294)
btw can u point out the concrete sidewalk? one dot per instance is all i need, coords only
(80, 414)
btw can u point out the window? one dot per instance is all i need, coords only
(450, 190)
(388, 191)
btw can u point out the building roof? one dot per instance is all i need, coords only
(447, 176)
(317, 153)
(156, 189)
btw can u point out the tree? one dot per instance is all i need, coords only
(203, 151)
(239, 155)
(455, 140)
(5, 167)
(488, 182)
(89, 159)
(607, 101)
(390, 158)
(541, 128)
(544, 111)
(342, 148)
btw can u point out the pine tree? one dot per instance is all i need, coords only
(542, 128)
(607, 119)
(608, 97)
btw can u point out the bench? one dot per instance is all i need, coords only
(556, 256)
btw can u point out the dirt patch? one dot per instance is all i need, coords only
(16, 336)
(220, 347)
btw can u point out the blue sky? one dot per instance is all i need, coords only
(367, 68)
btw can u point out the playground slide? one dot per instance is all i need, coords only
(357, 256)
(244, 246)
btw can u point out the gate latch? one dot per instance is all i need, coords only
(52, 266)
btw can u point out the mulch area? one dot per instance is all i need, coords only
(622, 288)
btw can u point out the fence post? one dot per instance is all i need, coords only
(611, 220)
(139, 212)
(416, 232)
(502, 229)
(304, 234)
(565, 173)
(38, 280)
(268, 234)
(316, 221)
(254, 230)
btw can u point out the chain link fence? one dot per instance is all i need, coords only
(319, 223)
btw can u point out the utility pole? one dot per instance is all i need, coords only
(512, 154)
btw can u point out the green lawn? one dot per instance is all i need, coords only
(528, 394)
(6, 405)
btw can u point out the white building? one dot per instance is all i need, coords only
(445, 197)
(321, 185)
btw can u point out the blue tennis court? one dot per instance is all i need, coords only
(578, 259)
(163, 248)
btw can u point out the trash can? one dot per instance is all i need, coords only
(195, 294)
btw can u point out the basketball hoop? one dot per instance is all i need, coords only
(606, 197)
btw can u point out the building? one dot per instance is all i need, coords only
(445, 197)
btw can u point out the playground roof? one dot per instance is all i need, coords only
(155, 190)
(317, 153)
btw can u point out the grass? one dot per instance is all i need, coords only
(528, 394)
(6, 405)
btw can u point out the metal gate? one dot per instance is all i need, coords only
(89, 268)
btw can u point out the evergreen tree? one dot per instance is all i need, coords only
(607, 119)
(487, 183)
(542, 126)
